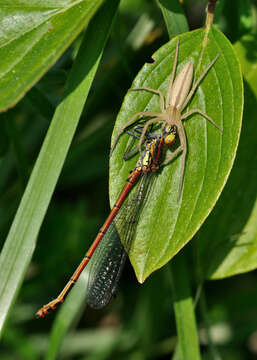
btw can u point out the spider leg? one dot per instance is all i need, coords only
(149, 122)
(191, 93)
(169, 92)
(183, 148)
(155, 91)
(130, 122)
(198, 111)
(173, 155)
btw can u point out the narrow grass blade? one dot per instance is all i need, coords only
(174, 17)
(188, 346)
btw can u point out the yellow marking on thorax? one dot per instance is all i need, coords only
(153, 143)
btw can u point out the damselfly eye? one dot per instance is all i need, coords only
(170, 139)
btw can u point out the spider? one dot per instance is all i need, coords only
(177, 98)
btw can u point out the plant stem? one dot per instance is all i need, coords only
(184, 311)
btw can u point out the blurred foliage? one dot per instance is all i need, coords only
(139, 322)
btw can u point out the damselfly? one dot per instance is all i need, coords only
(122, 219)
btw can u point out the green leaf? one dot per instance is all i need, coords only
(174, 17)
(166, 225)
(34, 34)
(233, 243)
(21, 240)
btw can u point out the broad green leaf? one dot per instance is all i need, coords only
(166, 225)
(230, 233)
(20, 243)
(33, 35)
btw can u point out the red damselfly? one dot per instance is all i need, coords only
(106, 269)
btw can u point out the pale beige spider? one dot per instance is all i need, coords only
(178, 97)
